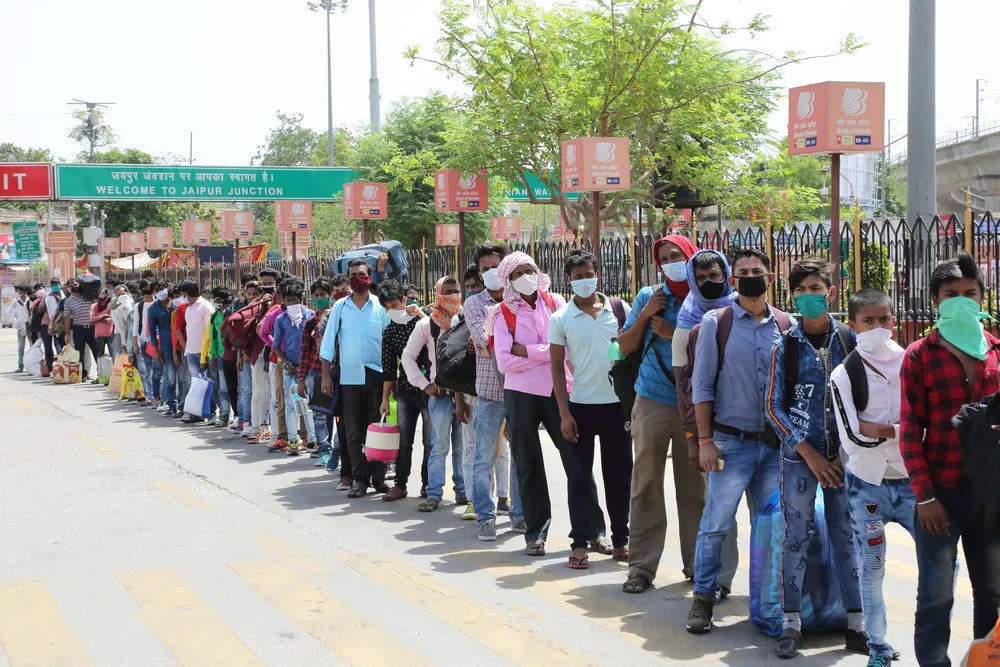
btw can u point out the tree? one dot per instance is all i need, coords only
(649, 70)
(781, 189)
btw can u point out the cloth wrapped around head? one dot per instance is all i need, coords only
(511, 296)
(445, 306)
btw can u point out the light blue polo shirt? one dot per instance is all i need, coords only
(587, 341)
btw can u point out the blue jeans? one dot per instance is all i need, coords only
(936, 556)
(168, 382)
(22, 337)
(245, 392)
(752, 467)
(151, 373)
(446, 431)
(183, 381)
(319, 421)
(488, 418)
(871, 508)
(798, 505)
(292, 419)
(220, 397)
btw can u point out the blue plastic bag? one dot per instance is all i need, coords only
(822, 603)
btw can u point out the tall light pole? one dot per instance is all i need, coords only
(921, 177)
(327, 7)
(93, 122)
(978, 100)
(373, 94)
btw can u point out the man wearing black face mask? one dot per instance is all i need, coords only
(729, 382)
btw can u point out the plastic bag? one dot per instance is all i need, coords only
(66, 372)
(984, 652)
(199, 397)
(393, 417)
(33, 359)
(69, 354)
(822, 606)
(115, 381)
(131, 384)
(104, 368)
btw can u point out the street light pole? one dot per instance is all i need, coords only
(978, 100)
(327, 7)
(373, 94)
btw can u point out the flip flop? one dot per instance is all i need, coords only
(579, 563)
(428, 505)
(602, 545)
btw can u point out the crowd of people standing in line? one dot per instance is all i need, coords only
(750, 401)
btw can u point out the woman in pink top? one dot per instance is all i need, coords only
(520, 326)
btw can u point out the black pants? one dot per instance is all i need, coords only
(103, 346)
(409, 406)
(84, 337)
(232, 384)
(606, 422)
(525, 413)
(361, 405)
(47, 344)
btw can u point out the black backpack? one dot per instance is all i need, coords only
(855, 367)
(456, 367)
(792, 363)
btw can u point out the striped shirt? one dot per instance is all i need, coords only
(78, 309)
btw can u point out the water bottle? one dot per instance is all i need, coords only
(299, 404)
(614, 352)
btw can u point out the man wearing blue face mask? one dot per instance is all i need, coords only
(582, 333)
(800, 409)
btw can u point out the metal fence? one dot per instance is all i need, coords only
(901, 256)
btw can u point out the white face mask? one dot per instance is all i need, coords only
(526, 284)
(876, 344)
(399, 316)
(676, 271)
(178, 301)
(161, 295)
(295, 313)
(491, 279)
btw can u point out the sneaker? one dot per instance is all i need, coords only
(162, 407)
(345, 484)
(221, 423)
(519, 526)
(880, 660)
(322, 460)
(390, 470)
(503, 506)
(700, 617)
(191, 419)
(19, 370)
(470, 515)
(312, 446)
(279, 446)
(212, 421)
(177, 415)
(334, 462)
(166, 412)
(246, 432)
(487, 530)
(293, 449)
(237, 426)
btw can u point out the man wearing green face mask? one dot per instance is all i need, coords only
(799, 408)
(956, 364)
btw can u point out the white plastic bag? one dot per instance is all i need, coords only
(199, 397)
(33, 359)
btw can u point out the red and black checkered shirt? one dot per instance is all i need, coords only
(309, 361)
(935, 388)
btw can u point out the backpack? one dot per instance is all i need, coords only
(456, 368)
(625, 372)
(37, 314)
(855, 367)
(57, 327)
(724, 328)
(792, 360)
(396, 268)
(240, 327)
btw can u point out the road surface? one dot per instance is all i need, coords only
(129, 539)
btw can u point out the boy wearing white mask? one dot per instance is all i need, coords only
(867, 396)
(582, 333)
(288, 329)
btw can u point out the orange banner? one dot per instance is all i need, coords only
(112, 246)
(446, 235)
(836, 117)
(159, 238)
(596, 164)
(236, 225)
(196, 232)
(457, 191)
(293, 216)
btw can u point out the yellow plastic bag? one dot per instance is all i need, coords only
(984, 652)
(131, 385)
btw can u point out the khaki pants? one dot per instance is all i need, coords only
(654, 427)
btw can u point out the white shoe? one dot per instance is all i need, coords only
(162, 407)
(246, 432)
(210, 422)
(236, 426)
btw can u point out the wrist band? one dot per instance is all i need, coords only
(702, 441)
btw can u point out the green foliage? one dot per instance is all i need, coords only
(876, 267)
(649, 70)
(781, 189)
(87, 135)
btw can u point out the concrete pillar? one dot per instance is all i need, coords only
(921, 178)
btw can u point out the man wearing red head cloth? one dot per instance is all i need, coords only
(656, 421)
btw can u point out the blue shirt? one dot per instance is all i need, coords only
(158, 320)
(652, 383)
(288, 337)
(360, 338)
(739, 394)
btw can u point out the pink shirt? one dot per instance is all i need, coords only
(531, 375)
(266, 331)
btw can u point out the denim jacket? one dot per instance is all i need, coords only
(808, 415)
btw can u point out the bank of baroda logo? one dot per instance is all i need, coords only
(806, 105)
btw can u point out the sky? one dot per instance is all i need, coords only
(223, 69)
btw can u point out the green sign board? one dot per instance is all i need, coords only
(27, 243)
(147, 182)
(518, 192)
(273, 256)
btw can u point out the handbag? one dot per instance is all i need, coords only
(115, 382)
(69, 354)
(319, 401)
(199, 397)
(151, 349)
(131, 384)
(382, 442)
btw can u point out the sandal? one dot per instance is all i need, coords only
(428, 505)
(536, 548)
(602, 545)
(620, 554)
(636, 584)
(255, 439)
(357, 490)
(579, 563)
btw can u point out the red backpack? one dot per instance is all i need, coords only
(240, 328)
